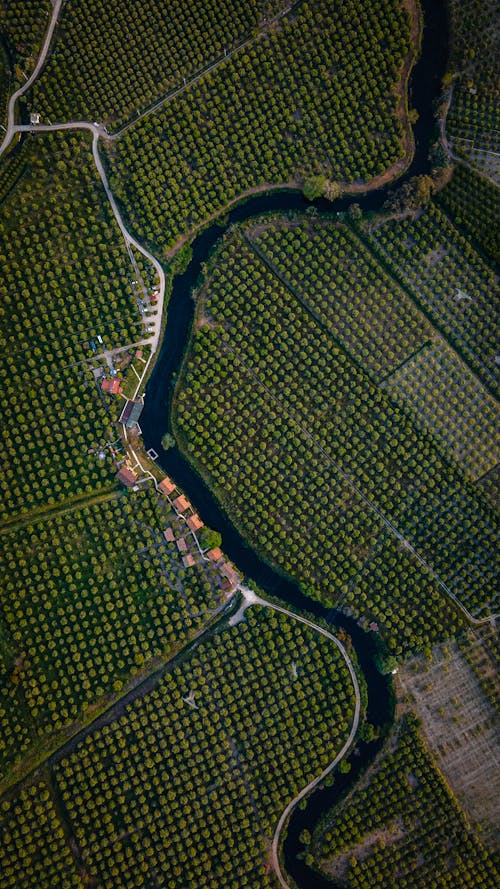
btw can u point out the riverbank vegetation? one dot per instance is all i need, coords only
(405, 828)
(313, 461)
(315, 96)
(186, 783)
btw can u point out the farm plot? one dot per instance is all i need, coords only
(97, 73)
(454, 286)
(461, 727)
(346, 288)
(187, 784)
(472, 204)
(473, 123)
(304, 100)
(312, 459)
(89, 598)
(405, 829)
(33, 847)
(449, 400)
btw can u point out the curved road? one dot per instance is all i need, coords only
(251, 598)
(38, 67)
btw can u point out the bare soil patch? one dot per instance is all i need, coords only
(460, 725)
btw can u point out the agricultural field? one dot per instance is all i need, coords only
(22, 25)
(314, 96)
(455, 287)
(404, 828)
(473, 123)
(67, 279)
(460, 724)
(186, 784)
(338, 280)
(104, 69)
(472, 204)
(33, 847)
(90, 597)
(448, 399)
(326, 464)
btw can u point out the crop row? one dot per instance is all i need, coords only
(454, 285)
(312, 96)
(449, 400)
(313, 437)
(335, 275)
(89, 597)
(187, 784)
(107, 64)
(472, 203)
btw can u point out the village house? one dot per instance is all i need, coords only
(194, 522)
(181, 503)
(166, 486)
(181, 545)
(215, 554)
(126, 476)
(111, 386)
(188, 561)
(169, 535)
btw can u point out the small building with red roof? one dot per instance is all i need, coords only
(194, 522)
(181, 545)
(181, 503)
(188, 561)
(215, 554)
(166, 486)
(169, 535)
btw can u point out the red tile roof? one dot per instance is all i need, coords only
(181, 503)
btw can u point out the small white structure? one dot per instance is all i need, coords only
(34, 118)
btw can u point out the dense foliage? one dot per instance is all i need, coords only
(33, 848)
(109, 62)
(22, 26)
(452, 283)
(315, 463)
(472, 204)
(405, 828)
(89, 597)
(314, 95)
(191, 792)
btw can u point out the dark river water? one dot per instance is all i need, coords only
(155, 421)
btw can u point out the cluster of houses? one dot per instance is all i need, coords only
(184, 508)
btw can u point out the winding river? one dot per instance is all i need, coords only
(155, 421)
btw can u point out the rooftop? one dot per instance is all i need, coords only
(181, 503)
(131, 413)
(194, 522)
(126, 476)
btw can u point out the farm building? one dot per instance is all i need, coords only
(194, 522)
(126, 476)
(131, 413)
(111, 386)
(230, 572)
(215, 554)
(181, 503)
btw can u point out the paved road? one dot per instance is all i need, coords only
(251, 598)
(22, 89)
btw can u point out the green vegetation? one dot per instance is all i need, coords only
(446, 276)
(88, 598)
(67, 280)
(110, 63)
(33, 848)
(338, 280)
(472, 204)
(467, 423)
(312, 97)
(474, 118)
(188, 783)
(23, 24)
(308, 455)
(404, 828)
